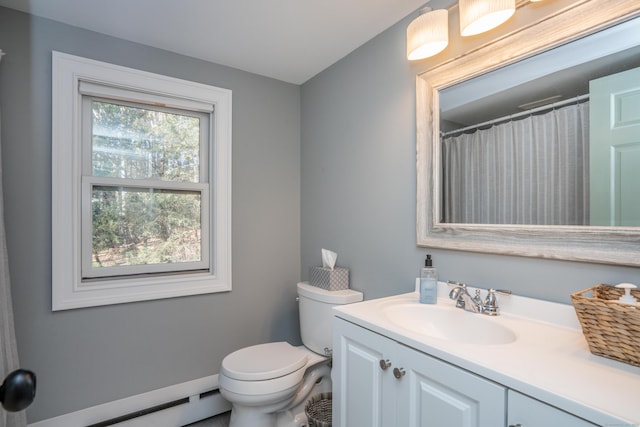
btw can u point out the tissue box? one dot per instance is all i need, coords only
(331, 280)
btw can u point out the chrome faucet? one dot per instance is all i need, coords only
(476, 304)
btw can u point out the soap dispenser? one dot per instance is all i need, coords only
(627, 298)
(428, 282)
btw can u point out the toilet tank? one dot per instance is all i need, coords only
(316, 314)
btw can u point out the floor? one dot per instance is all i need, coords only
(221, 420)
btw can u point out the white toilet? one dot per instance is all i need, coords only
(269, 384)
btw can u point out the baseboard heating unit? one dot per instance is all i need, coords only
(172, 406)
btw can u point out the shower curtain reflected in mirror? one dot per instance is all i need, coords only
(529, 171)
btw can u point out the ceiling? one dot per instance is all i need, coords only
(289, 40)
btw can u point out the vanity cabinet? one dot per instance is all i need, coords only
(527, 412)
(378, 382)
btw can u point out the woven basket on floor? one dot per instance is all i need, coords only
(318, 410)
(611, 328)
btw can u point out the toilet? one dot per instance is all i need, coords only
(269, 384)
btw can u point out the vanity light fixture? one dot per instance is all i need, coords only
(428, 34)
(478, 16)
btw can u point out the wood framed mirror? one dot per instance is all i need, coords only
(617, 243)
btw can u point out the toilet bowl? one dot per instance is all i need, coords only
(268, 384)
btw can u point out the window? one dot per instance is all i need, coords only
(141, 169)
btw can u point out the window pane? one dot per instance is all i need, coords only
(139, 226)
(139, 143)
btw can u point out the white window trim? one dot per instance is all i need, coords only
(68, 291)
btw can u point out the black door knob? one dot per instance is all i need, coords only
(18, 390)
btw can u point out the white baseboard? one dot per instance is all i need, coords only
(201, 400)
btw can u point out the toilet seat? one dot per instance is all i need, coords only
(264, 361)
(264, 369)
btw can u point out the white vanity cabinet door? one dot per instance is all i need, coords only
(437, 394)
(408, 389)
(525, 411)
(363, 393)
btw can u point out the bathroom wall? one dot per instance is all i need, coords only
(90, 356)
(330, 164)
(359, 177)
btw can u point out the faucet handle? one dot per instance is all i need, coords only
(491, 302)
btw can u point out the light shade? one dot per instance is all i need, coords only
(428, 34)
(478, 16)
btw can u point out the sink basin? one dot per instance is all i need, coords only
(449, 323)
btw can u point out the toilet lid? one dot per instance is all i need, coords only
(264, 361)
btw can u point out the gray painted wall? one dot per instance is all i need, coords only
(89, 356)
(359, 179)
(330, 164)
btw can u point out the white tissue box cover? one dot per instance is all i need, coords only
(331, 280)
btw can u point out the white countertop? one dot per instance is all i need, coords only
(549, 360)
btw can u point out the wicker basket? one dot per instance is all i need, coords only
(318, 410)
(611, 328)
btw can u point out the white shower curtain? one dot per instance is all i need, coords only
(529, 171)
(8, 346)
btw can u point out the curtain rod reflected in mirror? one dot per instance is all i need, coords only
(441, 108)
(514, 116)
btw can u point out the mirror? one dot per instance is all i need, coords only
(520, 146)
(448, 98)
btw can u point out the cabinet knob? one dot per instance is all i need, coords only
(384, 364)
(398, 372)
